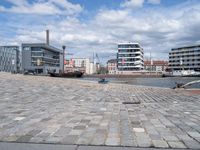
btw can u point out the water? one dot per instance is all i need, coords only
(155, 82)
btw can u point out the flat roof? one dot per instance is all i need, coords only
(9, 46)
(112, 61)
(192, 46)
(126, 43)
(43, 45)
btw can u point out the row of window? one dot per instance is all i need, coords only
(129, 64)
(185, 65)
(128, 55)
(129, 69)
(129, 50)
(129, 46)
(185, 52)
(184, 56)
(130, 59)
(185, 60)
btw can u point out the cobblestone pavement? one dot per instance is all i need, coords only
(67, 111)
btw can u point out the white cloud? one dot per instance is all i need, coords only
(132, 3)
(50, 7)
(157, 30)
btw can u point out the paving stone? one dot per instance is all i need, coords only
(11, 138)
(25, 138)
(99, 137)
(138, 130)
(25, 146)
(194, 134)
(192, 144)
(176, 144)
(112, 141)
(56, 110)
(79, 127)
(170, 138)
(160, 143)
(69, 139)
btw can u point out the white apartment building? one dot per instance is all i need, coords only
(130, 57)
(185, 58)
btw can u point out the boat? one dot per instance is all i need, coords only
(75, 74)
(103, 81)
(182, 73)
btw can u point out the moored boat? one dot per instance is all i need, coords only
(75, 74)
(182, 73)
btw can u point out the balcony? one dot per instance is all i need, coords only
(133, 66)
(185, 58)
(187, 62)
(184, 54)
(137, 52)
(185, 67)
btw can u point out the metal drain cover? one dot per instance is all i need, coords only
(138, 102)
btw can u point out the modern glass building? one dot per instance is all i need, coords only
(40, 58)
(130, 57)
(185, 58)
(10, 59)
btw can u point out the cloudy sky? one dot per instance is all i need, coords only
(87, 26)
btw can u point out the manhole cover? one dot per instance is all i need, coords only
(138, 102)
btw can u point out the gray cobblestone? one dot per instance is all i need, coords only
(67, 111)
(173, 144)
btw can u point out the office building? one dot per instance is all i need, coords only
(130, 57)
(10, 59)
(185, 58)
(40, 58)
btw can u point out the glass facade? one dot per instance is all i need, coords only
(185, 58)
(10, 59)
(41, 58)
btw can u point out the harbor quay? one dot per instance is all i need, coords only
(85, 114)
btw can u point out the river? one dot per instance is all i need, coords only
(168, 82)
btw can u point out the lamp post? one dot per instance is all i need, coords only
(63, 47)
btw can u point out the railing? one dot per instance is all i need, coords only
(138, 52)
(184, 67)
(190, 83)
(183, 54)
(185, 63)
(183, 58)
(133, 66)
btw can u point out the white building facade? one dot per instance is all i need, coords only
(185, 58)
(81, 64)
(130, 57)
(112, 66)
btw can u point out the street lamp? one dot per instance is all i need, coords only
(63, 47)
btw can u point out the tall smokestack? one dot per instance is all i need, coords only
(47, 37)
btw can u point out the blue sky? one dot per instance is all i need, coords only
(87, 26)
